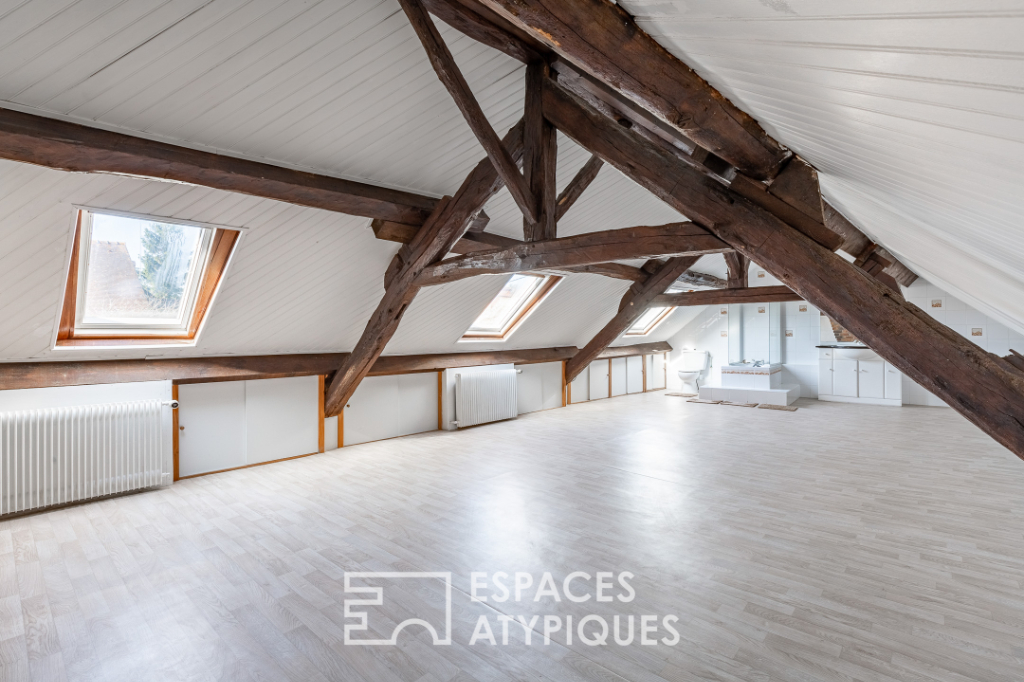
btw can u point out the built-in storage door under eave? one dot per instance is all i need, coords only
(281, 418)
(211, 427)
(618, 376)
(579, 389)
(232, 424)
(656, 375)
(599, 384)
(634, 374)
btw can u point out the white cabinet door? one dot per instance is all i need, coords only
(872, 379)
(844, 378)
(656, 372)
(635, 374)
(599, 379)
(618, 376)
(893, 383)
(825, 376)
(390, 406)
(211, 420)
(281, 418)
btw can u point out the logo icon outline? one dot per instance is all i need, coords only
(377, 599)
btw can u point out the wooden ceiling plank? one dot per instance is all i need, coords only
(583, 249)
(982, 387)
(631, 307)
(449, 74)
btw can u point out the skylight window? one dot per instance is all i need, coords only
(649, 321)
(140, 279)
(517, 299)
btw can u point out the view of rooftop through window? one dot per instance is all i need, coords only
(510, 306)
(138, 270)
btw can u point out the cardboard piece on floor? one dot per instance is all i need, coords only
(784, 408)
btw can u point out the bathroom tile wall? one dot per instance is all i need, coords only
(709, 331)
(963, 319)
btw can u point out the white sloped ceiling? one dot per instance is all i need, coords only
(340, 88)
(912, 112)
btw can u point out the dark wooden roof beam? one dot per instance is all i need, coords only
(585, 249)
(72, 147)
(449, 74)
(604, 40)
(726, 296)
(431, 243)
(983, 387)
(633, 304)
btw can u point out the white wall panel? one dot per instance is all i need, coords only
(390, 406)
(212, 430)
(618, 376)
(634, 375)
(580, 388)
(539, 386)
(331, 433)
(281, 418)
(656, 377)
(598, 379)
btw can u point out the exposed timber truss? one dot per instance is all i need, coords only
(610, 76)
(595, 76)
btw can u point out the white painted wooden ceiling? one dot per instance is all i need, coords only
(919, 156)
(340, 88)
(912, 111)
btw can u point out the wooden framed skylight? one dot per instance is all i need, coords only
(517, 299)
(141, 280)
(649, 321)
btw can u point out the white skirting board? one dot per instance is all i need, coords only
(863, 401)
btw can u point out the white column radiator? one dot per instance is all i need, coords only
(55, 456)
(482, 397)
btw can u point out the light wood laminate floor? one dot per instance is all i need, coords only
(838, 542)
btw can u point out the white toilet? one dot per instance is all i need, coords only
(694, 362)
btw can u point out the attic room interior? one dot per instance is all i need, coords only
(454, 340)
